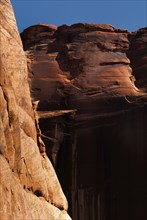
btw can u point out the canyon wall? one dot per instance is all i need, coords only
(88, 82)
(29, 187)
(74, 102)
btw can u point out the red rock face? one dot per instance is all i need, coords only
(98, 73)
(138, 57)
(27, 178)
(83, 67)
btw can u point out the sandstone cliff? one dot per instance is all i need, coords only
(29, 188)
(72, 65)
(89, 85)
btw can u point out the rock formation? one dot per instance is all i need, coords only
(29, 187)
(89, 82)
(138, 57)
(88, 88)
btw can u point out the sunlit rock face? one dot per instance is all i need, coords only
(78, 64)
(89, 85)
(27, 177)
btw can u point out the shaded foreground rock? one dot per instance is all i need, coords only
(29, 187)
(99, 71)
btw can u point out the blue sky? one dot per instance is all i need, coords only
(130, 15)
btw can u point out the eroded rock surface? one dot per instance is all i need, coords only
(29, 187)
(71, 66)
(98, 72)
(138, 57)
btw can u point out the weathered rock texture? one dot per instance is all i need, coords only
(29, 188)
(93, 79)
(138, 56)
